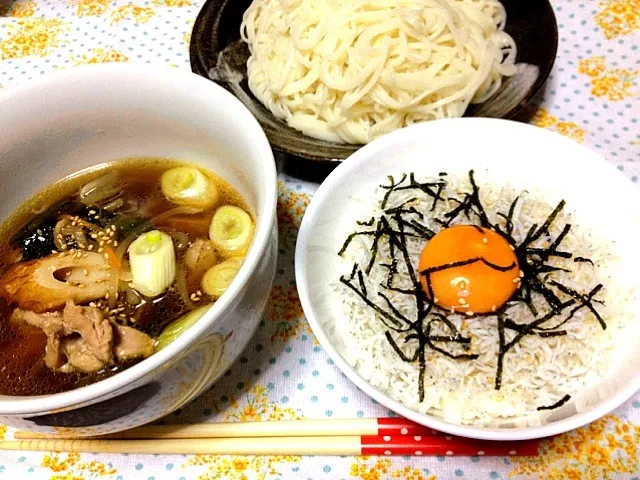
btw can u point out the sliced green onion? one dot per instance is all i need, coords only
(217, 279)
(178, 327)
(152, 260)
(189, 186)
(231, 230)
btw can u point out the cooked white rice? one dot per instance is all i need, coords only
(537, 371)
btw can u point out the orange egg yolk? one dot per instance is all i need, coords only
(479, 286)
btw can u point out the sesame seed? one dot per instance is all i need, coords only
(485, 240)
(92, 212)
(512, 247)
(115, 243)
(516, 280)
(462, 301)
(199, 293)
(493, 308)
(106, 295)
(86, 272)
(521, 273)
(90, 247)
(469, 313)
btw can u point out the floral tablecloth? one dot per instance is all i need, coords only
(592, 97)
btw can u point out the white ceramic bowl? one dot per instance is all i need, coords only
(88, 115)
(513, 153)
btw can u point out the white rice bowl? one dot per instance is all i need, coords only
(594, 366)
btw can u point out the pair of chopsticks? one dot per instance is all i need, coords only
(381, 436)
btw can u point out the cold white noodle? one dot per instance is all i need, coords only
(350, 71)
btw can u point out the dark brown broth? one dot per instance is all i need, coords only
(22, 369)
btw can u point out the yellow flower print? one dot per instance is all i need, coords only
(32, 37)
(239, 468)
(618, 17)
(285, 309)
(20, 9)
(615, 84)
(187, 36)
(258, 408)
(602, 450)
(3, 428)
(102, 55)
(172, 3)
(571, 130)
(593, 66)
(382, 469)
(544, 119)
(132, 12)
(73, 468)
(291, 208)
(89, 8)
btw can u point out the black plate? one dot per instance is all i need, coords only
(216, 35)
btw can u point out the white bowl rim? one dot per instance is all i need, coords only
(354, 163)
(185, 80)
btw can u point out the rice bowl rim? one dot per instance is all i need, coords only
(341, 177)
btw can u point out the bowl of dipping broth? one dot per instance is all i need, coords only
(477, 276)
(138, 244)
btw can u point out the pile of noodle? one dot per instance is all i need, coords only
(350, 71)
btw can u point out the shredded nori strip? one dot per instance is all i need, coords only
(585, 300)
(582, 259)
(468, 262)
(368, 223)
(558, 404)
(396, 224)
(502, 351)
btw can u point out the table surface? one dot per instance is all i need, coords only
(592, 97)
